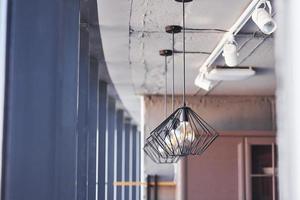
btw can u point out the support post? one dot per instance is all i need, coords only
(119, 152)
(181, 182)
(134, 161)
(155, 187)
(138, 165)
(102, 124)
(82, 136)
(127, 132)
(110, 147)
(92, 128)
(149, 190)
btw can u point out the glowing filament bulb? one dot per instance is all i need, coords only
(185, 133)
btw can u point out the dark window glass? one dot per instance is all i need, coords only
(262, 188)
(262, 159)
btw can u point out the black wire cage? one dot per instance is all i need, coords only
(154, 151)
(183, 133)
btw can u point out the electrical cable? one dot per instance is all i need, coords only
(173, 70)
(193, 52)
(183, 34)
(166, 86)
(254, 49)
(246, 42)
(216, 30)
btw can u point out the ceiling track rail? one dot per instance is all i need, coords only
(234, 30)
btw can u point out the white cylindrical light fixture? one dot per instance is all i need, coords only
(230, 52)
(263, 19)
(204, 83)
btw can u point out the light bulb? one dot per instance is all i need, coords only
(171, 142)
(180, 137)
(185, 133)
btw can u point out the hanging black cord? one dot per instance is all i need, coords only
(166, 85)
(183, 34)
(193, 52)
(173, 72)
(206, 29)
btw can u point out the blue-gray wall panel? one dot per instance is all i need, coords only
(41, 109)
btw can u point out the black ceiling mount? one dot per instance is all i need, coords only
(165, 52)
(173, 29)
(186, 1)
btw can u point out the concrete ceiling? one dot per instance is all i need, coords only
(132, 33)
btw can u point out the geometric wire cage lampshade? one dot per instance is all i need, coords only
(183, 133)
(156, 153)
(152, 147)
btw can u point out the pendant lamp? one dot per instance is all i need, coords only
(184, 132)
(152, 147)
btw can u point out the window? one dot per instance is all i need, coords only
(261, 167)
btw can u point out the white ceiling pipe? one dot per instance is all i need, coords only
(238, 25)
